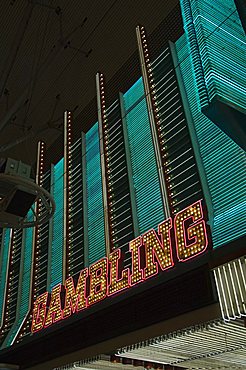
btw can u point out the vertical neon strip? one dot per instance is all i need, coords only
(153, 117)
(144, 169)
(129, 169)
(101, 107)
(231, 288)
(51, 228)
(25, 285)
(67, 224)
(85, 203)
(4, 262)
(9, 311)
(36, 238)
(237, 300)
(240, 272)
(56, 253)
(95, 216)
(76, 223)
(4, 311)
(192, 131)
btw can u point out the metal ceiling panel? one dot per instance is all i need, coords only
(213, 345)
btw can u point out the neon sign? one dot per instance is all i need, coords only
(105, 277)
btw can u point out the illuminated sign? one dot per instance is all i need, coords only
(105, 277)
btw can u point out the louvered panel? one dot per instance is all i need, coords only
(96, 235)
(216, 41)
(1, 238)
(4, 258)
(231, 287)
(221, 42)
(103, 362)
(224, 163)
(120, 204)
(26, 274)
(212, 345)
(76, 257)
(56, 263)
(12, 287)
(44, 240)
(145, 175)
(178, 154)
(25, 281)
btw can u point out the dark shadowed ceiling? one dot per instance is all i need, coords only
(50, 52)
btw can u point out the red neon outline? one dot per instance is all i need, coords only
(199, 220)
(53, 321)
(154, 256)
(106, 277)
(170, 239)
(138, 259)
(118, 280)
(75, 309)
(36, 317)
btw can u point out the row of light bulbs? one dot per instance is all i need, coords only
(109, 186)
(160, 133)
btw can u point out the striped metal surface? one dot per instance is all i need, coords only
(120, 201)
(12, 283)
(76, 257)
(24, 288)
(24, 267)
(223, 160)
(67, 216)
(212, 345)
(44, 240)
(4, 260)
(56, 254)
(230, 281)
(149, 203)
(115, 174)
(104, 362)
(217, 45)
(96, 239)
(216, 41)
(174, 137)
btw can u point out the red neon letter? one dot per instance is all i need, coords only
(137, 272)
(55, 312)
(156, 250)
(116, 284)
(98, 281)
(191, 240)
(38, 313)
(75, 298)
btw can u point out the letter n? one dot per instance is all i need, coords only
(158, 252)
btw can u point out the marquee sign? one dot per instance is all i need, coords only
(150, 254)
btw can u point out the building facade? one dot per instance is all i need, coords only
(168, 151)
